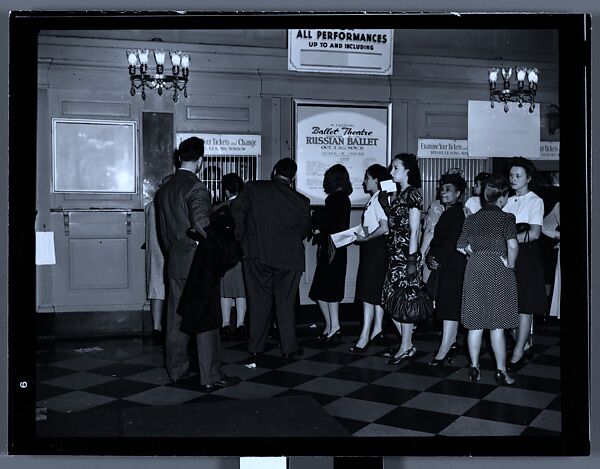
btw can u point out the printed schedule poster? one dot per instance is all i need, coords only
(355, 136)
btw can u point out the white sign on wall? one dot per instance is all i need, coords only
(494, 133)
(364, 51)
(549, 150)
(226, 144)
(442, 148)
(355, 136)
(445, 148)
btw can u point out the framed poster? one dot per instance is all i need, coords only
(94, 156)
(355, 135)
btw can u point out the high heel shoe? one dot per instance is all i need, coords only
(335, 338)
(322, 336)
(528, 353)
(378, 339)
(513, 366)
(449, 357)
(474, 373)
(357, 349)
(502, 378)
(403, 356)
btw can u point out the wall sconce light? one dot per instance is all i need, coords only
(177, 81)
(521, 94)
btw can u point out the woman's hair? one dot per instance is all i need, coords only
(410, 163)
(233, 183)
(495, 188)
(381, 173)
(335, 178)
(482, 177)
(524, 163)
(456, 180)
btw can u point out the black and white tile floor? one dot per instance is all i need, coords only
(367, 396)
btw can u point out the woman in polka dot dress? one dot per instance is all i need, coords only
(489, 299)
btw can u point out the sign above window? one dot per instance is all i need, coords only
(363, 51)
(445, 148)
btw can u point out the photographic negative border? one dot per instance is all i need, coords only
(574, 50)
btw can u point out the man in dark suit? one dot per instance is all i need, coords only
(184, 203)
(272, 220)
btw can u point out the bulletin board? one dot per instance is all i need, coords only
(94, 156)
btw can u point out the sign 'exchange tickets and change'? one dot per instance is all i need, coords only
(226, 144)
(362, 51)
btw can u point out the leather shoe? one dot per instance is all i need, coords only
(227, 381)
(224, 382)
(297, 354)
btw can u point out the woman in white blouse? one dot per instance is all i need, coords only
(528, 209)
(373, 262)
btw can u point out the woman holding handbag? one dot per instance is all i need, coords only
(403, 280)
(528, 209)
(327, 289)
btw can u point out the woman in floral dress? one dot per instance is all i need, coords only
(403, 244)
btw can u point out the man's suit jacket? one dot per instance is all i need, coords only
(272, 220)
(183, 202)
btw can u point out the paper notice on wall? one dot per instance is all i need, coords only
(44, 248)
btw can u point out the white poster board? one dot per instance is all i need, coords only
(361, 51)
(94, 156)
(354, 135)
(494, 133)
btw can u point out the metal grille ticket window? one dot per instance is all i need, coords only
(215, 167)
(432, 170)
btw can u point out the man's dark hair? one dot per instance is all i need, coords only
(233, 183)
(285, 167)
(191, 149)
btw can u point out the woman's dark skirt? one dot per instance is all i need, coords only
(531, 286)
(329, 281)
(372, 268)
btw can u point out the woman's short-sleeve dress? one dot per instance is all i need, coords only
(398, 242)
(489, 298)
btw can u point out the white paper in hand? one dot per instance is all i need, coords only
(388, 186)
(343, 238)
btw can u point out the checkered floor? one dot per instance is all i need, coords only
(367, 396)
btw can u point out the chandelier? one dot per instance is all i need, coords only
(521, 94)
(159, 81)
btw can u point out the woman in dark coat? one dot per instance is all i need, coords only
(448, 264)
(330, 277)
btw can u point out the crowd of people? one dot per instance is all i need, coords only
(479, 261)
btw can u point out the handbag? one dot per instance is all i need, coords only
(410, 304)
